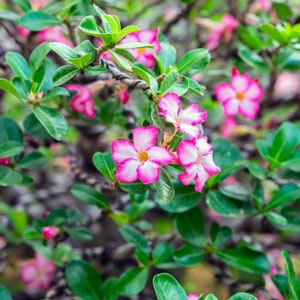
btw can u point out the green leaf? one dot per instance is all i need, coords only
(250, 37)
(257, 171)
(89, 26)
(236, 192)
(195, 87)
(33, 160)
(134, 237)
(10, 131)
(34, 128)
(6, 86)
(9, 177)
(245, 259)
(18, 64)
(166, 56)
(4, 294)
(134, 45)
(211, 297)
(168, 81)
(276, 218)
(164, 187)
(81, 62)
(291, 275)
(83, 280)
(104, 164)
(253, 59)
(132, 281)
(127, 30)
(64, 51)
(242, 296)
(121, 62)
(133, 188)
(193, 62)
(258, 195)
(190, 225)
(219, 235)
(222, 205)
(285, 195)
(185, 198)
(8, 15)
(285, 142)
(119, 217)
(37, 20)
(274, 33)
(10, 149)
(89, 195)
(281, 283)
(188, 255)
(54, 122)
(37, 56)
(79, 233)
(149, 79)
(167, 287)
(162, 253)
(63, 74)
(283, 11)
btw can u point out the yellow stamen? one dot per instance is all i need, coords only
(141, 51)
(240, 95)
(143, 156)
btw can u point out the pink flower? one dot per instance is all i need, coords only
(223, 29)
(263, 4)
(22, 31)
(227, 128)
(38, 4)
(49, 232)
(183, 120)
(197, 158)
(241, 96)
(287, 85)
(140, 160)
(143, 55)
(124, 96)
(53, 34)
(5, 161)
(105, 54)
(37, 274)
(82, 101)
(193, 297)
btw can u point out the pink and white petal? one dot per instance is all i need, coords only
(241, 83)
(44, 281)
(148, 36)
(190, 173)
(144, 137)
(89, 109)
(190, 130)
(29, 272)
(213, 40)
(192, 114)
(122, 150)
(224, 91)
(208, 164)
(160, 155)
(249, 109)
(148, 172)
(147, 60)
(254, 91)
(169, 104)
(203, 147)
(231, 107)
(77, 104)
(186, 152)
(130, 38)
(157, 46)
(127, 171)
(201, 178)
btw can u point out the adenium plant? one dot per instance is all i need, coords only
(138, 140)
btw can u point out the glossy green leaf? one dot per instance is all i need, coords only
(33, 160)
(18, 64)
(10, 131)
(89, 195)
(167, 287)
(221, 204)
(79, 233)
(54, 122)
(9, 177)
(184, 199)
(274, 33)
(242, 296)
(38, 20)
(256, 170)
(188, 255)
(193, 62)
(166, 57)
(235, 191)
(219, 235)
(276, 218)
(283, 11)
(4, 294)
(83, 280)
(64, 51)
(148, 78)
(134, 45)
(190, 225)
(134, 188)
(8, 15)
(195, 87)
(81, 62)
(245, 259)
(89, 26)
(162, 253)
(63, 74)
(6, 86)
(132, 281)
(281, 283)
(164, 187)
(127, 30)
(119, 217)
(10, 149)
(37, 56)
(104, 164)
(34, 128)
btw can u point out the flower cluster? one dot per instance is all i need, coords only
(142, 159)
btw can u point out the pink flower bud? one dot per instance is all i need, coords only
(5, 161)
(49, 232)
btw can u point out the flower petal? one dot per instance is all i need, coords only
(122, 150)
(190, 173)
(208, 164)
(190, 130)
(201, 178)
(160, 155)
(29, 271)
(144, 137)
(192, 114)
(254, 91)
(240, 83)
(169, 105)
(148, 172)
(224, 91)
(203, 147)
(186, 152)
(127, 170)
(231, 107)
(249, 109)
(148, 35)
